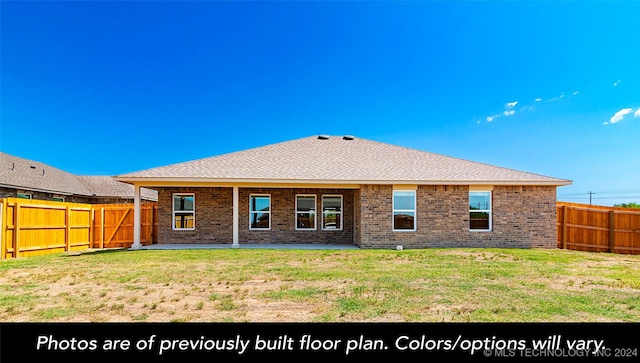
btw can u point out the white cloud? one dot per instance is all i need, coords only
(637, 113)
(511, 104)
(575, 92)
(509, 113)
(617, 117)
(490, 118)
(538, 99)
(616, 83)
(556, 98)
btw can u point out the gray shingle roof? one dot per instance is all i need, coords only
(336, 159)
(33, 175)
(106, 186)
(20, 173)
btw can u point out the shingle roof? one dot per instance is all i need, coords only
(338, 159)
(20, 173)
(33, 175)
(106, 186)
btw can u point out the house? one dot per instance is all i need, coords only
(348, 190)
(24, 178)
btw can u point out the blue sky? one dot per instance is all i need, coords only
(108, 87)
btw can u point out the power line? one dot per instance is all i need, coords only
(607, 191)
(598, 198)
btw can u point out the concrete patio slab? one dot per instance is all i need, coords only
(248, 246)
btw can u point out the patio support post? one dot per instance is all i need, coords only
(235, 218)
(136, 217)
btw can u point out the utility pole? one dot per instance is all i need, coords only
(590, 194)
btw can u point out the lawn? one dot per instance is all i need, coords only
(272, 285)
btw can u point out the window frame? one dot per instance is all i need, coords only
(341, 213)
(414, 210)
(256, 212)
(24, 195)
(173, 212)
(489, 211)
(315, 213)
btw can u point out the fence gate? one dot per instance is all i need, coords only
(113, 225)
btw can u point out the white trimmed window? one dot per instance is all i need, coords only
(332, 212)
(305, 212)
(260, 211)
(184, 213)
(480, 211)
(24, 195)
(404, 210)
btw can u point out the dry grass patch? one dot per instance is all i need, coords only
(430, 285)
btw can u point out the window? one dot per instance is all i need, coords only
(404, 210)
(24, 195)
(305, 212)
(480, 211)
(259, 212)
(332, 212)
(58, 199)
(184, 212)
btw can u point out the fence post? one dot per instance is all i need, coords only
(67, 234)
(3, 202)
(564, 227)
(67, 226)
(612, 231)
(102, 228)
(151, 224)
(91, 227)
(16, 230)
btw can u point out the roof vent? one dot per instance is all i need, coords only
(323, 137)
(32, 167)
(347, 137)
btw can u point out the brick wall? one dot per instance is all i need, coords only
(214, 217)
(523, 216)
(13, 193)
(283, 216)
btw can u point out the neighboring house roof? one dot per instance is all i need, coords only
(337, 159)
(106, 186)
(20, 173)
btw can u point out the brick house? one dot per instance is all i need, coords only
(29, 179)
(347, 190)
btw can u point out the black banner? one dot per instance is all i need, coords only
(172, 342)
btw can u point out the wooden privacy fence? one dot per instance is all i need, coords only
(585, 227)
(113, 225)
(37, 227)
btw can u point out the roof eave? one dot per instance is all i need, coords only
(160, 181)
(23, 187)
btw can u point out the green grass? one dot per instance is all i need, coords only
(430, 285)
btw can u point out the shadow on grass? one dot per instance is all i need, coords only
(94, 251)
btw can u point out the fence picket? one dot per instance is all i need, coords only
(598, 228)
(35, 227)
